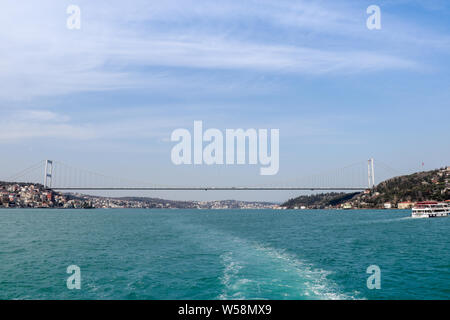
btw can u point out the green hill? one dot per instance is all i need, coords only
(420, 186)
(319, 201)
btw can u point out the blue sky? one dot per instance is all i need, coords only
(107, 97)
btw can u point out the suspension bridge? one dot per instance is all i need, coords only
(59, 176)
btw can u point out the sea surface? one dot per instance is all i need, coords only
(222, 254)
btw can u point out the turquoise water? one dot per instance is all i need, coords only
(223, 254)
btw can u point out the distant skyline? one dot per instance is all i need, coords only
(108, 96)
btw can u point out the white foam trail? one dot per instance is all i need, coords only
(375, 221)
(252, 270)
(385, 220)
(278, 271)
(318, 284)
(230, 272)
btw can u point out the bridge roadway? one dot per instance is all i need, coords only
(208, 189)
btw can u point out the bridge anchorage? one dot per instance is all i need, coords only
(62, 177)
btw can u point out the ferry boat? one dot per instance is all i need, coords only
(430, 209)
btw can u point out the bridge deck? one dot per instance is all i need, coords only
(208, 189)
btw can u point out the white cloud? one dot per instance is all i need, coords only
(36, 124)
(144, 126)
(40, 56)
(30, 124)
(42, 115)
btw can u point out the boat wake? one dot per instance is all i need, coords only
(254, 271)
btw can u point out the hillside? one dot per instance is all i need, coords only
(420, 186)
(319, 201)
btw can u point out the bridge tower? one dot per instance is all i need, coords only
(48, 173)
(371, 173)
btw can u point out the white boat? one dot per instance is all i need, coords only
(431, 209)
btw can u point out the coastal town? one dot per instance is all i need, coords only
(23, 195)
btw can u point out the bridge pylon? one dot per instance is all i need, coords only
(48, 174)
(371, 173)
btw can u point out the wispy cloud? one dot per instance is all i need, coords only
(40, 56)
(40, 115)
(144, 126)
(35, 124)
